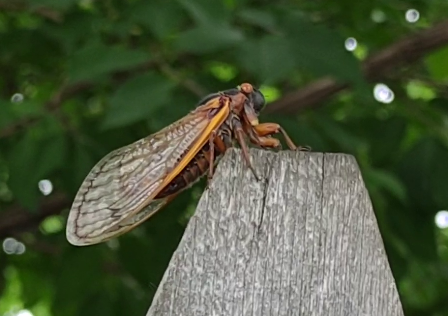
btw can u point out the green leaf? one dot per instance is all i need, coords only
(6, 117)
(222, 71)
(205, 12)
(52, 155)
(419, 90)
(437, 64)
(439, 104)
(162, 23)
(336, 132)
(321, 51)
(52, 224)
(75, 29)
(271, 93)
(386, 180)
(31, 160)
(132, 260)
(140, 302)
(439, 174)
(98, 304)
(27, 108)
(79, 272)
(96, 59)
(259, 18)
(22, 163)
(261, 58)
(136, 99)
(11, 112)
(29, 277)
(385, 137)
(424, 171)
(55, 4)
(208, 39)
(79, 165)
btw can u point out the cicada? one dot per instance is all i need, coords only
(132, 183)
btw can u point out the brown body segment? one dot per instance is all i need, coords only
(197, 168)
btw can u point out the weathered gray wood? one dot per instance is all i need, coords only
(303, 241)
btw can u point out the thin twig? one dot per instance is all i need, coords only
(19, 6)
(188, 84)
(17, 219)
(379, 65)
(66, 92)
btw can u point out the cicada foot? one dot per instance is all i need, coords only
(304, 148)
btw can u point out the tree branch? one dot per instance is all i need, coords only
(16, 219)
(19, 6)
(377, 66)
(65, 93)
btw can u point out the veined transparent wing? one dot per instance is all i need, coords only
(119, 191)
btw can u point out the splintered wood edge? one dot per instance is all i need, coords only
(302, 241)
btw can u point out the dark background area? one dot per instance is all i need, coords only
(81, 78)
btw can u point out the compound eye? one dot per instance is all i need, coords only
(258, 100)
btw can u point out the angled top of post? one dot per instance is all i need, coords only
(302, 241)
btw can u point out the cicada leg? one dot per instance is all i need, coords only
(262, 141)
(239, 134)
(268, 129)
(220, 140)
(214, 141)
(211, 144)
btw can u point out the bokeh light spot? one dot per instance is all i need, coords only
(270, 93)
(45, 186)
(441, 219)
(13, 247)
(17, 98)
(222, 71)
(351, 43)
(412, 15)
(383, 93)
(378, 16)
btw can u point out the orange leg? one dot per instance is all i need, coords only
(262, 141)
(215, 141)
(211, 145)
(268, 129)
(239, 134)
(269, 142)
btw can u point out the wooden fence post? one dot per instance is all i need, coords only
(302, 241)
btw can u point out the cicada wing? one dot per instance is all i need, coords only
(126, 181)
(145, 213)
(126, 224)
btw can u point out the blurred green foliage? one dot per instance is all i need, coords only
(97, 75)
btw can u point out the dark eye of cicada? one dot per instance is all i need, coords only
(258, 100)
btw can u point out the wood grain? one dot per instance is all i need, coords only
(303, 241)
